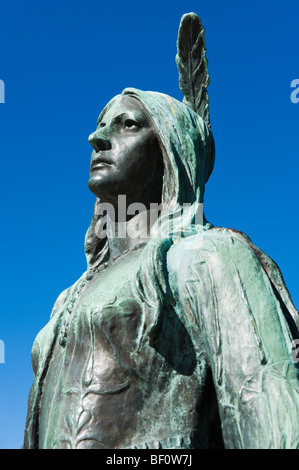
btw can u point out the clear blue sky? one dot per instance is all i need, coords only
(61, 62)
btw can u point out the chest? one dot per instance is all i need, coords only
(105, 314)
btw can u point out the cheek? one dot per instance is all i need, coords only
(137, 161)
(150, 154)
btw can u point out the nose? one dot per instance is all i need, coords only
(99, 142)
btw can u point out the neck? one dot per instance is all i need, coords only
(125, 236)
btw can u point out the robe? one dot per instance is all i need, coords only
(232, 299)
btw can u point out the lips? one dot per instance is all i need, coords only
(100, 161)
(99, 165)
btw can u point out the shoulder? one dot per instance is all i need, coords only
(217, 247)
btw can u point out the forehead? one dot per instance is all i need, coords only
(122, 105)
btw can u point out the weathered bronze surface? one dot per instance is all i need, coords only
(179, 335)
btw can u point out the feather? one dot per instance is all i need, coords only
(193, 65)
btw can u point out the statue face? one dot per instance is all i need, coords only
(126, 158)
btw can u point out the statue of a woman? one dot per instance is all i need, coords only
(179, 335)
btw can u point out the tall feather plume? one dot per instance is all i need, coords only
(193, 65)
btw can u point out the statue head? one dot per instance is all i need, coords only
(152, 148)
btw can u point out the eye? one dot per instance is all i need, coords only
(130, 123)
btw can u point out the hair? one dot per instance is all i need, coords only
(188, 151)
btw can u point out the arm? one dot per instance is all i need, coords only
(248, 344)
(39, 357)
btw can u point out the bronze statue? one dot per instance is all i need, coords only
(180, 335)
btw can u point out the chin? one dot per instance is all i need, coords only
(94, 186)
(102, 190)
